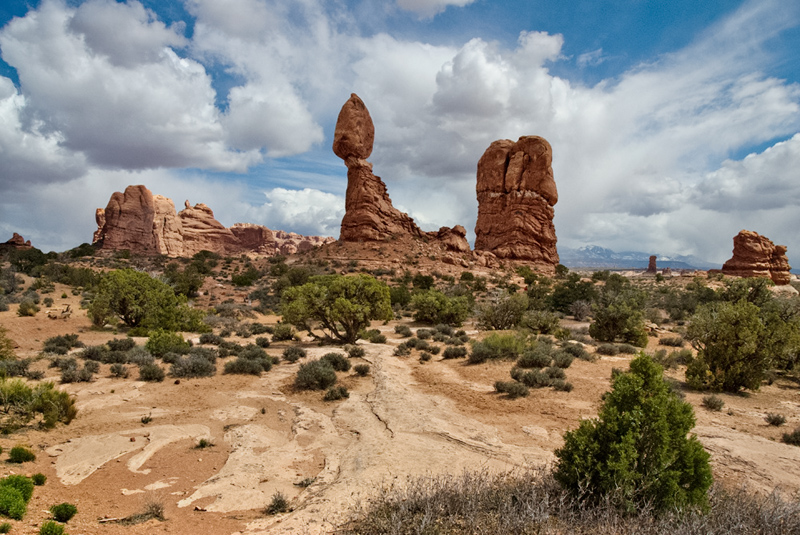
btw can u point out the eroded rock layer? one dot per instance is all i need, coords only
(756, 256)
(369, 213)
(516, 194)
(147, 224)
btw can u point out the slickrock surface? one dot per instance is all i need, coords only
(756, 256)
(516, 194)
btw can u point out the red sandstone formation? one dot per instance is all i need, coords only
(516, 195)
(17, 242)
(757, 256)
(651, 266)
(147, 224)
(369, 214)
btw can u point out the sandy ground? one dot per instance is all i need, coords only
(405, 418)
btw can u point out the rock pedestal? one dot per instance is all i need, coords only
(369, 213)
(651, 266)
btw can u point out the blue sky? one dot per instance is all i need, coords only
(674, 124)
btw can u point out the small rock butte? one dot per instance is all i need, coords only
(756, 256)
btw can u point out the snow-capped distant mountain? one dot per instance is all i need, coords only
(593, 256)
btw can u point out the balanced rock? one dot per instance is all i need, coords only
(756, 256)
(516, 194)
(369, 213)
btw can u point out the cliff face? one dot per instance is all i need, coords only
(756, 256)
(516, 194)
(369, 213)
(147, 224)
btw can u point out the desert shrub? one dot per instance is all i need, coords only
(452, 352)
(425, 356)
(63, 512)
(580, 309)
(162, 342)
(627, 349)
(50, 527)
(497, 346)
(377, 339)
(619, 313)
(562, 385)
(361, 369)
(555, 372)
(512, 389)
(540, 321)
(139, 355)
(243, 366)
(637, 451)
(23, 485)
(736, 343)
(713, 403)
(75, 375)
(5, 527)
(577, 351)
(501, 310)
(16, 368)
(537, 356)
(193, 366)
(775, 419)
(210, 339)
(533, 379)
(229, 348)
(119, 370)
(402, 350)
(293, 353)
(282, 332)
(139, 300)
(432, 306)
(262, 341)
(434, 349)
(3, 301)
(607, 349)
(21, 454)
(97, 353)
(39, 479)
(151, 372)
(792, 438)
(315, 375)
(60, 345)
(562, 359)
(403, 330)
(671, 341)
(205, 352)
(260, 328)
(424, 334)
(121, 344)
(27, 308)
(12, 503)
(279, 504)
(337, 361)
(335, 393)
(342, 306)
(256, 354)
(355, 352)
